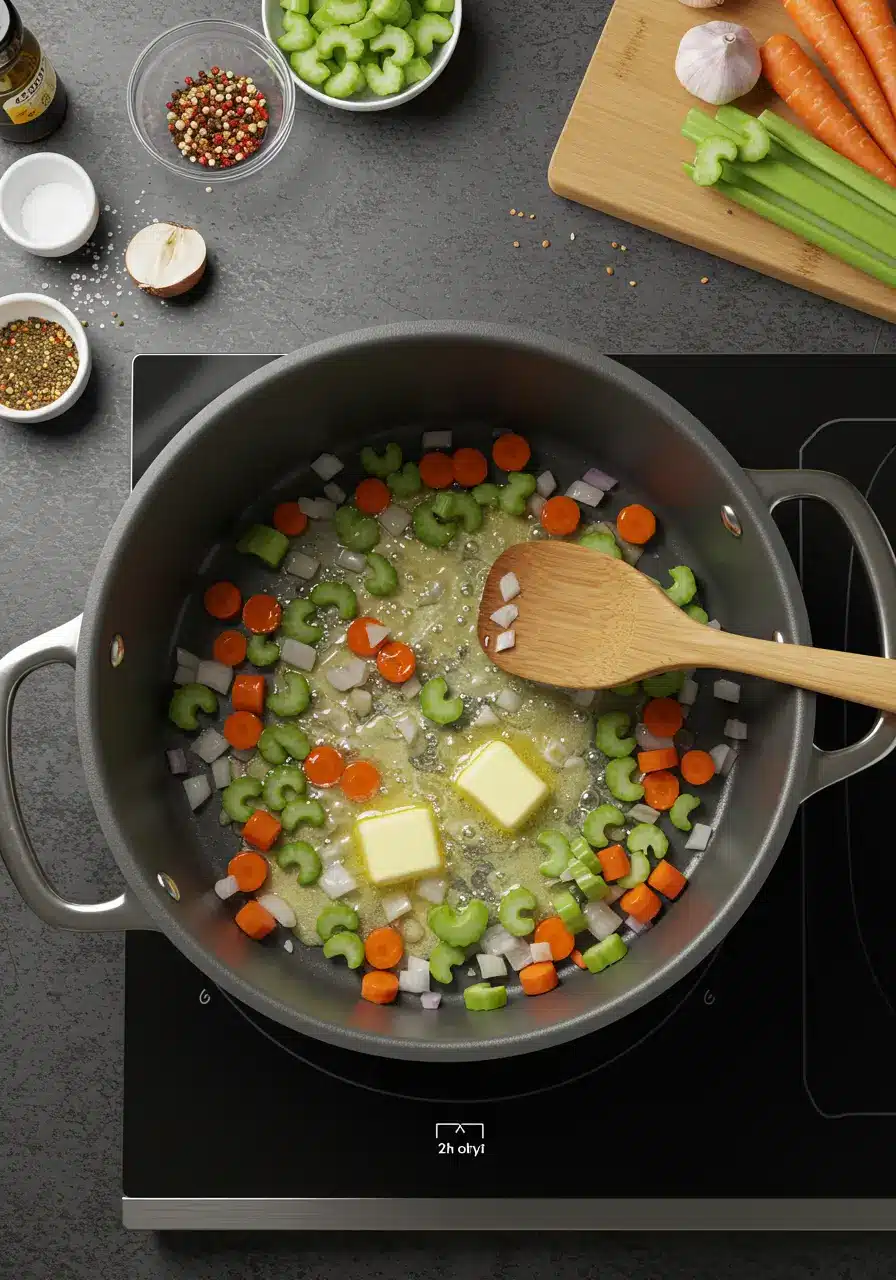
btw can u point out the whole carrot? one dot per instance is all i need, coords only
(872, 25)
(824, 27)
(795, 78)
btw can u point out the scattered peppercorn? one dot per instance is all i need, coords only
(38, 363)
(622, 249)
(531, 217)
(614, 245)
(609, 271)
(704, 279)
(545, 244)
(516, 244)
(633, 283)
(218, 120)
(513, 213)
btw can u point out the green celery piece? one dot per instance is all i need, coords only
(754, 139)
(711, 152)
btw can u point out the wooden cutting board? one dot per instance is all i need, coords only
(621, 150)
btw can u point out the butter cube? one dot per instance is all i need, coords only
(401, 844)
(502, 784)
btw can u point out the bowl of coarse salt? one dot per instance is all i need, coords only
(48, 204)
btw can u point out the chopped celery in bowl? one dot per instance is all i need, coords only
(402, 55)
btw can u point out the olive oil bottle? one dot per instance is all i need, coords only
(32, 97)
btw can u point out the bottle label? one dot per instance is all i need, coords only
(38, 94)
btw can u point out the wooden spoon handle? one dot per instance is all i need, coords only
(856, 677)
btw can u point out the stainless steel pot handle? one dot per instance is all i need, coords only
(872, 544)
(16, 849)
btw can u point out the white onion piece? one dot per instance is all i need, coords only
(295, 653)
(431, 889)
(735, 729)
(166, 259)
(237, 768)
(555, 753)
(648, 741)
(417, 962)
(509, 700)
(599, 479)
(395, 519)
(349, 675)
(215, 675)
(585, 493)
(497, 941)
(288, 945)
(720, 756)
(335, 494)
(300, 565)
(715, 624)
(534, 505)
(187, 659)
(411, 688)
(377, 634)
(519, 955)
(506, 640)
(352, 560)
(638, 926)
(185, 675)
(504, 616)
(582, 697)
(574, 762)
(687, 694)
(430, 999)
(209, 745)
(336, 881)
(602, 919)
(509, 586)
(540, 951)
(318, 508)
(730, 762)
(616, 892)
(631, 552)
(436, 440)
(416, 981)
(642, 813)
(360, 702)
(396, 905)
(327, 466)
(407, 727)
(221, 773)
(226, 887)
(279, 909)
(198, 790)
(432, 593)
(726, 690)
(484, 718)
(491, 966)
(545, 484)
(177, 761)
(243, 753)
(700, 837)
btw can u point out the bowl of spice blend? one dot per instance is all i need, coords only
(48, 204)
(212, 100)
(44, 358)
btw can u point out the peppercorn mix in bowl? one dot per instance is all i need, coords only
(211, 100)
(44, 358)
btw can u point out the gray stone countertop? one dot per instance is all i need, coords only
(363, 219)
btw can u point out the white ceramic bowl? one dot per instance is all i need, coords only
(36, 170)
(272, 21)
(19, 306)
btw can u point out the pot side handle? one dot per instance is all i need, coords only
(876, 554)
(16, 849)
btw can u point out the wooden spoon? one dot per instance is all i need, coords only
(588, 621)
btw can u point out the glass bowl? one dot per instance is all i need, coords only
(198, 46)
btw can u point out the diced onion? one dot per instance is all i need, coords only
(177, 761)
(300, 565)
(436, 440)
(573, 762)
(519, 955)
(215, 675)
(348, 675)
(585, 493)
(288, 945)
(687, 694)
(432, 593)
(327, 466)
(642, 813)
(360, 701)
(509, 586)
(395, 519)
(417, 962)
(497, 941)
(396, 905)
(720, 755)
(209, 745)
(416, 981)
(637, 926)
(411, 688)
(318, 508)
(491, 966)
(336, 881)
(185, 675)
(555, 753)
(616, 892)
(279, 909)
(648, 741)
(221, 773)
(335, 494)
(187, 659)
(431, 889)
(599, 479)
(735, 729)
(602, 919)
(616, 834)
(198, 790)
(484, 718)
(509, 700)
(730, 762)
(715, 624)
(226, 888)
(430, 999)
(727, 690)
(631, 552)
(407, 727)
(534, 505)
(506, 640)
(351, 560)
(504, 616)
(545, 484)
(699, 837)
(540, 951)
(295, 653)
(237, 768)
(582, 697)
(243, 753)
(377, 634)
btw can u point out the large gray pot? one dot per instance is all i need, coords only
(334, 396)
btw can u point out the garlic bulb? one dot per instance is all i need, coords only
(702, 4)
(718, 62)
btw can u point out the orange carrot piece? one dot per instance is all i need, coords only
(662, 758)
(636, 524)
(372, 496)
(614, 863)
(222, 600)
(538, 978)
(290, 519)
(361, 781)
(663, 717)
(262, 613)
(261, 830)
(242, 729)
(323, 766)
(697, 767)
(576, 958)
(396, 662)
(795, 78)
(511, 452)
(640, 902)
(230, 648)
(357, 639)
(379, 987)
(871, 22)
(249, 870)
(470, 467)
(247, 694)
(660, 790)
(383, 948)
(667, 879)
(436, 470)
(255, 920)
(560, 515)
(555, 933)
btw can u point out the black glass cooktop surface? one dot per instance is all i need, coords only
(757, 1092)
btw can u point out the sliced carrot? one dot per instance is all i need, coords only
(249, 870)
(247, 694)
(636, 524)
(379, 987)
(323, 766)
(470, 467)
(361, 780)
(555, 933)
(383, 948)
(576, 958)
(290, 519)
(396, 662)
(538, 978)
(436, 470)
(261, 830)
(614, 863)
(661, 790)
(561, 515)
(262, 614)
(667, 879)
(511, 452)
(242, 729)
(640, 902)
(222, 600)
(663, 717)
(255, 920)
(372, 496)
(230, 648)
(358, 640)
(697, 767)
(662, 758)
